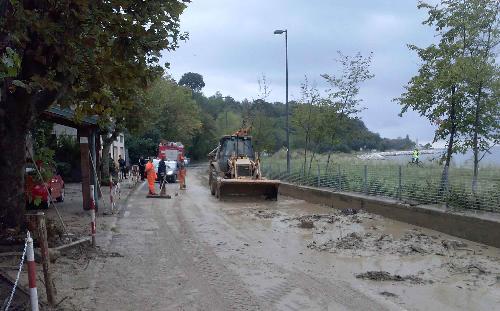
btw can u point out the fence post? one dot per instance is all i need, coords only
(400, 189)
(338, 177)
(270, 170)
(302, 174)
(279, 171)
(30, 256)
(366, 179)
(44, 250)
(319, 178)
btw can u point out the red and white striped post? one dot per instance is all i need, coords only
(92, 215)
(30, 256)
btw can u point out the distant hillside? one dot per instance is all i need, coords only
(224, 115)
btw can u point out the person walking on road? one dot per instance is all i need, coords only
(181, 167)
(123, 168)
(151, 176)
(142, 167)
(162, 175)
(415, 156)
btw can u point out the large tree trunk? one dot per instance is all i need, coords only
(451, 141)
(475, 139)
(12, 161)
(16, 116)
(105, 162)
(106, 144)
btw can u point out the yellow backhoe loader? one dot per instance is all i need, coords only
(235, 169)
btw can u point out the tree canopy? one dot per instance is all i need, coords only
(192, 80)
(95, 56)
(457, 85)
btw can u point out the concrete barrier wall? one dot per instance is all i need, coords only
(483, 229)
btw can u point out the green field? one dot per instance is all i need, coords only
(411, 184)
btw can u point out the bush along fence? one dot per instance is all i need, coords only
(408, 183)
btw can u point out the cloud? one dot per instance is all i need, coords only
(232, 43)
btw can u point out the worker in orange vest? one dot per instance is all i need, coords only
(181, 167)
(151, 176)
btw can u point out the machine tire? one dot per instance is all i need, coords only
(44, 205)
(212, 188)
(61, 198)
(217, 191)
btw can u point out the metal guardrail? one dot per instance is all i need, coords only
(407, 183)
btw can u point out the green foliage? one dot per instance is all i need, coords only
(206, 139)
(97, 57)
(43, 145)
(172, 111)
(345, 84)
(145, 145)
(169, 113)
(10, 63)
(268, 124)
(67, 157)
(87, 53)
(192, 80)
(457, 84)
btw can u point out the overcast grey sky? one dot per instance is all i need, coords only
(232, 43)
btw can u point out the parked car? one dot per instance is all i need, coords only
(171, 170)
(36, 194)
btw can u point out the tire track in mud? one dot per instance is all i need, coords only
(296, 285)
(203, 268)
(322, 292)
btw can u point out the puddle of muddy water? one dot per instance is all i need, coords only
(345, 245)
(455, 274)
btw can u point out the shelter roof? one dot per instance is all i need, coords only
(66, 116)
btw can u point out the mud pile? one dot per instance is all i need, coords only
(412, 242)
(328, 218)
(386, 276)
(267, 214)
(343, 217)
(350, 241)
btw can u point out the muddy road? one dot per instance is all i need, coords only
(193, 252)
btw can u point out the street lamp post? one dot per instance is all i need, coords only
(279, 32)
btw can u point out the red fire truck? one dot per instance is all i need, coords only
(169, 151)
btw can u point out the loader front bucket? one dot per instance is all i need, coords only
(248, 187)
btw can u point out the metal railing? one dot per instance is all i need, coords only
(408, 183)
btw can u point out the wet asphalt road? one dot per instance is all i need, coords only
(193, 252)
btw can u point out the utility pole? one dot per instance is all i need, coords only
(278, 32)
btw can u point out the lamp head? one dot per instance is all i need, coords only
(279, 32)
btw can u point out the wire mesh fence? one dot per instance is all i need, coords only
(410, 183)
